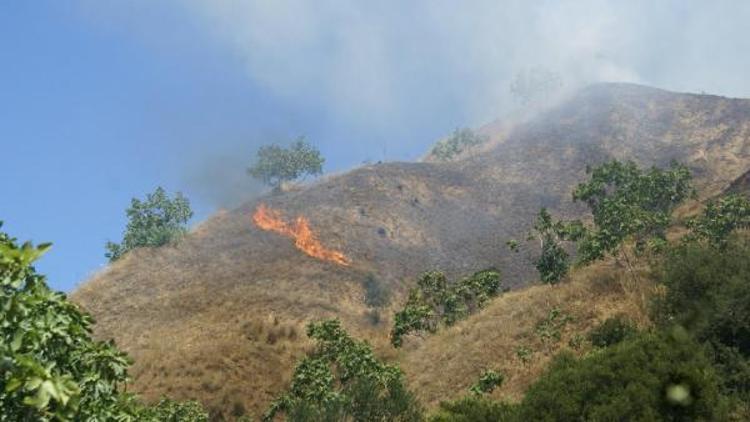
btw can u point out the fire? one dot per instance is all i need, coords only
(304, 238)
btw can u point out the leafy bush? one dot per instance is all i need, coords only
(612, 331)
(167, 410)
(342, 380)
(154, 222)
(720, 219)
(647, 377)
(488, 381)
(434, 301)
(376, 294)
(553, 261)
(549, 328)
(708, 293)
(474, 408)
(458, 142)
(276, 165)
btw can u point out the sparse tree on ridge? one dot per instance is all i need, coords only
(154, 222)
(276, 164)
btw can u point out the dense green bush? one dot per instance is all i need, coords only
(474, 408)
(342, 380)
(435, 301)
(647, 377)
(167, 410)
(708, 293)
(154, 222)
(612, 331)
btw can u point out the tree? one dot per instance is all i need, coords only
(629, 204)
(276, 165)
(156, 221)
(460, 141)
(720, 219)
(50, 367)
(434, 301)
(652, 376)
(342, 380)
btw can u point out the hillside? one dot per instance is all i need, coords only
(220, 316)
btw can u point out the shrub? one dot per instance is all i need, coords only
(154, 222)
(612, 331)
(646, 377)
(342, 380)
(459, 141)
(549, 328)
(488, 381)
(167, 410)
(474, 408)
(434, 301)
(708, 293)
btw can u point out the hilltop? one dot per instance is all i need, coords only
(220, 316)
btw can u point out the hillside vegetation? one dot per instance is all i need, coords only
(220, 316)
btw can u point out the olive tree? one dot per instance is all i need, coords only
(275, 164)
(153, 222)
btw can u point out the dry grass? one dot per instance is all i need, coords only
(220, 317)
(444, 366)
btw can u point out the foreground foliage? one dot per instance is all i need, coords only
(342, 380)
(708, 293)
(435, 301)
(649, 377)
(720, 219)
(154, 222)
(51, 368)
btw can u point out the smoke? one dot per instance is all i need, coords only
(371, 76)
(374, 61)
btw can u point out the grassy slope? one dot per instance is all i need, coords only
(220, 317)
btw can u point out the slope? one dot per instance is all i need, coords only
(220, 316)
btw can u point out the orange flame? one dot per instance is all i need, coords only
(304, 239)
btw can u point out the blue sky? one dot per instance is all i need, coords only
(104, 101)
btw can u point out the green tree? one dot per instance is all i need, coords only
(459, 141)
(629, 204)
(342, 380)
(707, 291)
(720, 219)
(435, 301)
(276, 165)
(51, 368)
(154, 222)
(663, 377)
